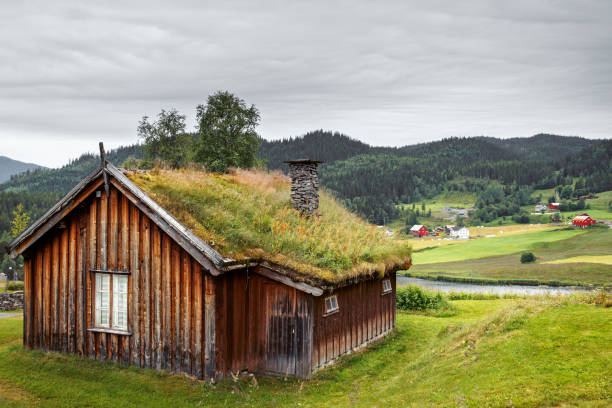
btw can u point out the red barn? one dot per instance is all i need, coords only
(418, 230)
(553, 206)
(583, 220)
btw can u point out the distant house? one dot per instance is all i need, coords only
(540, 208)
(553, 206)
(583, 220)
(418, 230)
(448, 228)
(460, 233)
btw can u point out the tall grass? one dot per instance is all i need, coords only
(248, 214)
(414, 298)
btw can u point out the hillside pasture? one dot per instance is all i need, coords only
(555, 260)
(487, 247)
(479, 233)
(597, 259)
(495, 353)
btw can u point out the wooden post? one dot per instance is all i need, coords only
(103, 160)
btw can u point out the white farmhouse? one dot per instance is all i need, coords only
(460, 233)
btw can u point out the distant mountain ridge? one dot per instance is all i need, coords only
(372, 180)
(10, 167)
(333, 146)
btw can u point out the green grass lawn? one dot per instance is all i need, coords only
(595, 243)
(599, 207)
(481, 248)
(497, 353)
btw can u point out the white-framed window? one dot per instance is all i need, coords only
(331, 304)
(120, 301)
(111, 301)
(386, 283)
(102, 299)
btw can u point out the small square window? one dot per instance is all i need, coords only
(387, 286)
(331, 305)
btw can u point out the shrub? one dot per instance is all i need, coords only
(528, 257)
(415, 298)
(12, 286)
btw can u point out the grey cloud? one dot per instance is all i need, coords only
(385, 72)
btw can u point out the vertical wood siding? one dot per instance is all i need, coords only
(365, 314)
(262, 326)
(166, 297)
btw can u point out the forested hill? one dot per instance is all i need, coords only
(322, 145)
(330, 147)
(59, 181)
(9, 167)
(373, 180)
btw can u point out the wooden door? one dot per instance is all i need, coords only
(279, 318)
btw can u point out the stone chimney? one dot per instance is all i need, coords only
(304, 185)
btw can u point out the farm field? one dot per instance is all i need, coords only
(497, 353)
(599, 259)
(479, 233)
(559, 260)
(599, 206)
(486, 247)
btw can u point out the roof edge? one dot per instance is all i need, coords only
(53, 211)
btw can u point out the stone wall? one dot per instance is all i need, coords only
(11, 301)
(304, 186)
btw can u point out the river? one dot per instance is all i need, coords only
(441, 286)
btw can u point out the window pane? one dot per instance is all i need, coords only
(331, 304)
(102, 300)
(120, 288)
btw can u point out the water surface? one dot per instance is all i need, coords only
(441, 286)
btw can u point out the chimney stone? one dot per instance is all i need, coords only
(304, 185)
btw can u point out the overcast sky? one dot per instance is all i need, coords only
(388, 73)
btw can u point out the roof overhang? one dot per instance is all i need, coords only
(201, 251)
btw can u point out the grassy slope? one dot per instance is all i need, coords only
(486, 247)
(496, 353)
(596, 242)
(599, 207)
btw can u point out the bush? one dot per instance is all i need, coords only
(12, 286)
(415, 298)
(528, 257)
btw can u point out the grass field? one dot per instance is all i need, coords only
(495, 353)
(594, 243)
(479, 233)
(599, 207)
(599, 259)
(486, 247)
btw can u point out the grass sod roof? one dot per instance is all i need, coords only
(248, 215)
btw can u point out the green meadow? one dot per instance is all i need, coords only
(486, 247)
(495, 353)
(583, 258)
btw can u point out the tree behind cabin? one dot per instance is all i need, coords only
(227, 136)
(165, 138)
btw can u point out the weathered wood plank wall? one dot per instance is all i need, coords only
(166, 289)
(364, 314)
(262, 326)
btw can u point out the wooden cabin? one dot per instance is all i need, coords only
(110, 274)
